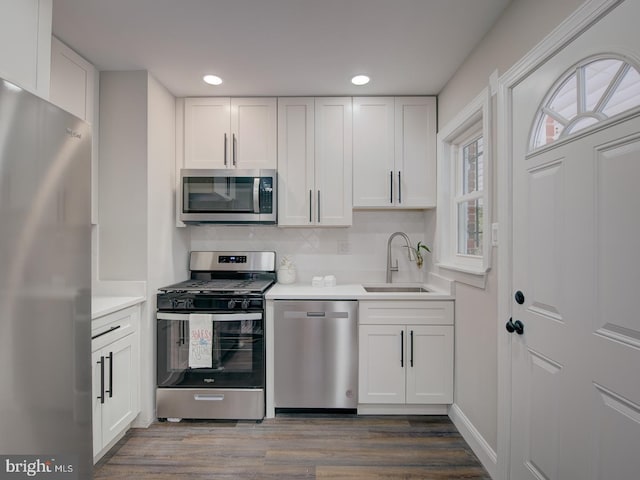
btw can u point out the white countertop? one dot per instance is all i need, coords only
(300, 291)
(103, 305)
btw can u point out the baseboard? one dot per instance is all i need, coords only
(401, 409)
(476, 441)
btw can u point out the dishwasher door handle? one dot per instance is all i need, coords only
(316, 314)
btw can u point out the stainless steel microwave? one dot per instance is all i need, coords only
(228, 196)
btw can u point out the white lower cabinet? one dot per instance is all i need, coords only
(115, 359)
(405, 352)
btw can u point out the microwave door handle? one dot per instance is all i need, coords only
(225, 149)
(256, 195)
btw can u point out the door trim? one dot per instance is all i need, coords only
(578, 22)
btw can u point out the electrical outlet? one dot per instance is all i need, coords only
(344, 248)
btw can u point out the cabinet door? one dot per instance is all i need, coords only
(207, 133)
(430, 364)
(295, 161)
(74, 87)
(415, 158)
(382, 359)
(121, 386)
(253, 133)
(333, 161)
(373, 152)
(25, 44)
(72, 81)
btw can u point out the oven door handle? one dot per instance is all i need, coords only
(216, 317)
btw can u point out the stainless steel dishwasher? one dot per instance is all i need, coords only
(316, 354)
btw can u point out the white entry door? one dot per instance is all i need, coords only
(575, 411)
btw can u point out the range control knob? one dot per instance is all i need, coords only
(232, 304)
(245, 303)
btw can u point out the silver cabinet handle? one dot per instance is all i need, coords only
(399, 187)
(225, 149)
(235, 148)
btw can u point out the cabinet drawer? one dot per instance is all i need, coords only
(401, 312)
(113, 326)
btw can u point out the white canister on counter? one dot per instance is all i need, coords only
(329, 281)
(287, 272)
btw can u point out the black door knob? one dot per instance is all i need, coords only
(516, 326)
(519, 297)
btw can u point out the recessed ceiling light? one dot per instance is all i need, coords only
(212, 79)
(360, 80)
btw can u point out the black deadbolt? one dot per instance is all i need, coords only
(519, 297)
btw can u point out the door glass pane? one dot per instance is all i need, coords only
(598, 75)
(549, 130)
(626, 96)
(470, 216)
(565, 101)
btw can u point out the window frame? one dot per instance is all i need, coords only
(473, 121)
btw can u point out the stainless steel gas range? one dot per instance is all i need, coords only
(211, 349)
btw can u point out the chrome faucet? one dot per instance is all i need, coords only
(395, 268)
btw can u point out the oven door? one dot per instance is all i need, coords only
(211, 350)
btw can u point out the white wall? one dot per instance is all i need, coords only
(167, 246)
(316, 251)
(138, 243)
(522, 25)
(122, 190)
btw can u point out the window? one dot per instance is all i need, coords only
(593, 91)
(468, 200)
(463, 194)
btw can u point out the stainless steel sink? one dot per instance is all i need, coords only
(394, 289)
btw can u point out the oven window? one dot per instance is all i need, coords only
(234, 354)
(218, 194)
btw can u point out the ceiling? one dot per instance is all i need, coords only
(280, 47)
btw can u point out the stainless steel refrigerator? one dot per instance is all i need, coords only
(45, 286)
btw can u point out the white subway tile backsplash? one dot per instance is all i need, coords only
(319, 251)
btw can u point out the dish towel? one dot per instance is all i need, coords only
(200, 340)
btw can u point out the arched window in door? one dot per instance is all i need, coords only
(594, 90)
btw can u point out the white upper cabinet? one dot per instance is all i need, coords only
(373, 151)
(230, 132)
(74, 87)
(314, 161)
(25, 44)
(254, 133)
(296, 161)
(394, 152)
(73, 82)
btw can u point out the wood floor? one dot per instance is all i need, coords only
(295, 446)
